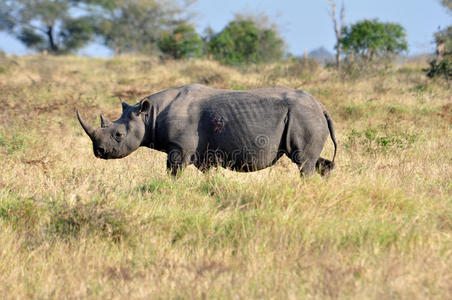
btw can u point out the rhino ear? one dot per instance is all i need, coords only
(145, 107)
(104, 122)
(124, 106)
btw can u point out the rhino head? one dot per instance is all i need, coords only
(119, 138)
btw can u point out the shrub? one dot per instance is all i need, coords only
(370, 39)
(244, 42)
(442, 65)
(302, 67)
(439, 68)
(205, 74)
(370, 45)
(181, 43)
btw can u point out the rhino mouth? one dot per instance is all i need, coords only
(105, 157)
(102, 153)
(98, 155)
(108, 156)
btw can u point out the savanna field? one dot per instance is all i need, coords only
(73, 226)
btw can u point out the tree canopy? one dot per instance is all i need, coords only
(447, 4)
(136, 25)
(61, 26)
(182, 42)
(245, 41)
(368, 39)
(46, 24)
(443, 38)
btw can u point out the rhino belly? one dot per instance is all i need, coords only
(241, 144)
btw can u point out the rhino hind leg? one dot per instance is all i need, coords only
(305, 163)
(324, 166)
(307, 168)
(305, 153)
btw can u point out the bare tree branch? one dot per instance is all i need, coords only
(337, 29)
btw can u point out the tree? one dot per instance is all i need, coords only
(447, 4)
(46, 24)
(441, 65)
(338, 29)
(443, 40)
(245, 41)
(271, 46)
(369, 39)
(136, 25)
(182, 42)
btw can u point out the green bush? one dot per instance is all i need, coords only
(183, 42)
(370, 45)
(440, 68)
(369, 39)
(244, 42)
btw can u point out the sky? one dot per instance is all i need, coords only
(305, 24)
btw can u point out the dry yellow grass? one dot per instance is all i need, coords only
(73, 226)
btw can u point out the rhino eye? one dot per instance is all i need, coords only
(118, 135)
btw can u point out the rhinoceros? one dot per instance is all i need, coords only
(245, 130)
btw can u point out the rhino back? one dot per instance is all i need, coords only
(231, 121)
(197, 118)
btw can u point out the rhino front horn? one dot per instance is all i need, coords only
(104, 122)
(88, 129)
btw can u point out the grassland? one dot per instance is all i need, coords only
(73, 226)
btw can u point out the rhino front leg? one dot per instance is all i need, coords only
(174, 161)
(177, 160)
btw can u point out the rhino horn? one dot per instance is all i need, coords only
(104, 122)
(88, 129)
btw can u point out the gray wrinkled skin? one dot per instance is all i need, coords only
(241, 130)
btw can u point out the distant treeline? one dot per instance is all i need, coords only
(148, 27)
(165, 28)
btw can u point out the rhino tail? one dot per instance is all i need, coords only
(324, 166)
(331, 129)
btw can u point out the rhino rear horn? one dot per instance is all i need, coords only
(88, 129)
(104, 122)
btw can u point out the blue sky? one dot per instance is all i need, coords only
(306, 24)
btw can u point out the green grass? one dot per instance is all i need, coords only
(74, 226)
